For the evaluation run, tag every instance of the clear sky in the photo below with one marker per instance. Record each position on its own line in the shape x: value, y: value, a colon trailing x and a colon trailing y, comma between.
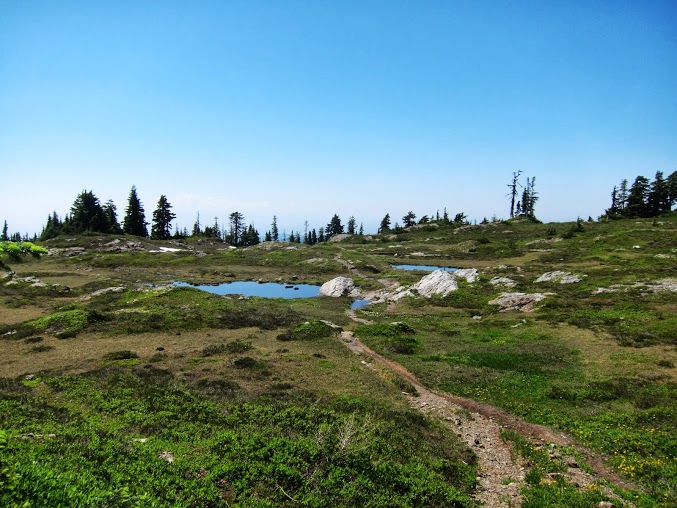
x: 303, y: 109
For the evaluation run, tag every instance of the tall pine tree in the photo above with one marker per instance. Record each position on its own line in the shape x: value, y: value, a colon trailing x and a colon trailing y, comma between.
x: 135, y: 217
x: 162, y: 220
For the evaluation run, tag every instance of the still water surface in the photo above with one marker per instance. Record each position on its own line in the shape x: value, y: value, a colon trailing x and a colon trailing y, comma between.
x: 424, y: 268
x: 262, y: 289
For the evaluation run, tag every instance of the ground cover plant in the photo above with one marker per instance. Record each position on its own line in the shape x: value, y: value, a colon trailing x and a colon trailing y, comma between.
x: 119, y: 389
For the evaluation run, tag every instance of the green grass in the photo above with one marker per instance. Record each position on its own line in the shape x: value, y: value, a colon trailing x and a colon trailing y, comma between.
x: 116, y: 423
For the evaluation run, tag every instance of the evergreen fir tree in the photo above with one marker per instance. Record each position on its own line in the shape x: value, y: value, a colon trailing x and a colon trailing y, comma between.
x: 672, y: 188
x: 513, y: 191
x: 638, y: 196
x: 87, y: 214
x: 351, y: 225
x: 659, y: 196
x: 409, y: 219
x: 5, y: 236
x: 385, y: 224
x: 622, y: 196
x: 135, y: 218
x: 273, y: 230
x: 320, y: 235
x: 361, y: 231
x: 334, y: 227
x: 197, y: 231
x: 162, y: 218
x: 237, y: 227
x: 110, y: 212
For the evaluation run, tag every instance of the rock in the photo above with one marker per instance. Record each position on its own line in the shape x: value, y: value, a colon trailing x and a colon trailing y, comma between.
x: 438, y: 282
x: 559, y: 276
x: 118, y: 289
x: 338, y: 238
x: 168, y: 456
x: 503, y: 281
x: 606, y: 504
x: 339, y: 286
x: 469, y: 274
x: 523, y: 302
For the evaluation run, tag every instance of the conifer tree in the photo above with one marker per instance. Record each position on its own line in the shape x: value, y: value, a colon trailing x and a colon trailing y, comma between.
x: 87, y: 214
x: 409, y: 219
x: 4, y: 237
x: 313, y: 236
x: 513, y: 190
x: 320, y: 235
x: 162, y: 218
x: 659, y: 196
x: 351, y: 225
x: 334, y: 227
x: 135, y: 218
x: 197, y: 231
x: 622, y: 196
x: 110, y: 212
x: 672, y: 188
x: 268, y: 237
x: 637, y: 205
x: 361, y: 231
x: 385, y: 224
x: 237, y: 226
x: 273, y: 230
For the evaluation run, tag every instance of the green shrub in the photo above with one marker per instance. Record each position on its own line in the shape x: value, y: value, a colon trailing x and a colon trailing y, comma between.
x: 120, y: 355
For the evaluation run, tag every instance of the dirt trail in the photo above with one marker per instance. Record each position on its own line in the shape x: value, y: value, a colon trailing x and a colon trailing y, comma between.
x: 500, y: 479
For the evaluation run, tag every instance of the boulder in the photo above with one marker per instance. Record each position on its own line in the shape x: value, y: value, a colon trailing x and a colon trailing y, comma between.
x: 339, y: 286
x: 559, y: 276
x: 469, y: 274
x: 503, y: 281
x: 523, y: 302
x: 438, y: 282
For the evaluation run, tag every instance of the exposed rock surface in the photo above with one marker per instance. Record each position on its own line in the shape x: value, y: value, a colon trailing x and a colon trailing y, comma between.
x: 339, y: 286
x: 655, y: 287
x: 503, y: 281
x: 523, y: 302
x: 438, y: 282
x: 118, y: 289
x: 469, y: 274
x: 66, y: 252
x: 559, y: 276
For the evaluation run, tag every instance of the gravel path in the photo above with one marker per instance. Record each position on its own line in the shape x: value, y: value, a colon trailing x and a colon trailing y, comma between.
x: 500, y: 477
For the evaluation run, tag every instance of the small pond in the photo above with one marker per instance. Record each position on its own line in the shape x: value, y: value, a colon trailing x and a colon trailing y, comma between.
x: 262, y: 289
x: 358, y: 304
x: 424, y: 268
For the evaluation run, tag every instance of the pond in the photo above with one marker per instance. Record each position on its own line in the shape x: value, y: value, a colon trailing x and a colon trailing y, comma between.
x: 262, y: 289
x: 358, y: 304
x: 424, y: 268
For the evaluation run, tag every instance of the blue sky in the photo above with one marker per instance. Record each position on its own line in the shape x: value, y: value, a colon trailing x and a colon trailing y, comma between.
x: 303, y: 109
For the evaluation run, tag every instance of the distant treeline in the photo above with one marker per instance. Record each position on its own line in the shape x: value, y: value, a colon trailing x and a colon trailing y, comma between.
x: 88, y: 215
x: 643, y: 198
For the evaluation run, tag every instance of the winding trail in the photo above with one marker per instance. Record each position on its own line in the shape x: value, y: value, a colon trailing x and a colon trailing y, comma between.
x: 500, y: 477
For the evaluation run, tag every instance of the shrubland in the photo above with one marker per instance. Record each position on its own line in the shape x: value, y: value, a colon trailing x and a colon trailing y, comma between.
x: 119, y: 389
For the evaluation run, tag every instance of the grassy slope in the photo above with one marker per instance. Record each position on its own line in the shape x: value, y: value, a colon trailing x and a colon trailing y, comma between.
x: 600, y: 366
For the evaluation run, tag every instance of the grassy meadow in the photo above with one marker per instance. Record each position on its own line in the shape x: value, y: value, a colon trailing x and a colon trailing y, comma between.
x: 117, y: 389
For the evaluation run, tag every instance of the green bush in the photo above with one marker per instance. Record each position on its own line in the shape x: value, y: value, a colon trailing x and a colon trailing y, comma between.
x: 120, y: 355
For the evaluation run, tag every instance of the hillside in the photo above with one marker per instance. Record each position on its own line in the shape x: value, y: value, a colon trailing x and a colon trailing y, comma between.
x: 546, y: 380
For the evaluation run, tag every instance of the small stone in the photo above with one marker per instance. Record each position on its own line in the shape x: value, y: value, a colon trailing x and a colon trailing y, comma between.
x: 168, y: 456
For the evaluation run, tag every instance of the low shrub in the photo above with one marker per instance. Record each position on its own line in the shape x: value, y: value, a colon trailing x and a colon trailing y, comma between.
x: 120, y: 355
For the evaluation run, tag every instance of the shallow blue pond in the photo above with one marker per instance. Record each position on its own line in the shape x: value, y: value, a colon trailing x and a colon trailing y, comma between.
x: 424, y: 268
x: 262, y: 289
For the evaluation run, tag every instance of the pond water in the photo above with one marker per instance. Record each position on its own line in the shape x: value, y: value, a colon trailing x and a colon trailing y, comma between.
x: 424, y: 268
x: 358, y: 304
x: 262, y: 289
